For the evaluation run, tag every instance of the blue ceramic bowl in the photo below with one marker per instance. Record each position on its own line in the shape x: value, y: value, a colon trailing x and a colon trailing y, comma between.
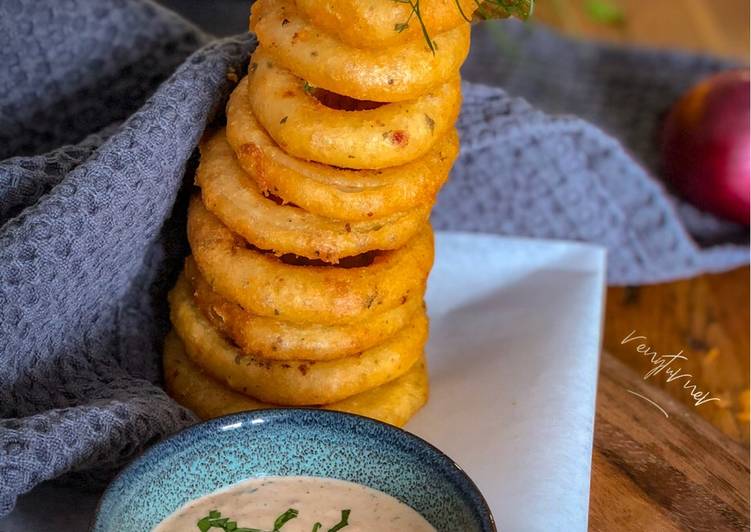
x: 284, y: 442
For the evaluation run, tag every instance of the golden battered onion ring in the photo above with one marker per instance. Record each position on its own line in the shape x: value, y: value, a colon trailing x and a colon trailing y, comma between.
x: 382, y: 74
x: 389, y: 135
x: 292, y: 382
x: 230, y: 194
x: 372, y: 23
x: 266, y: 286
x: 394, y: 402
x: 350, y: 195
x: 284, y: 340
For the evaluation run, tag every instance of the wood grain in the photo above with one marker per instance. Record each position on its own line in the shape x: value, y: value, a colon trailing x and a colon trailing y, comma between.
x: 708, y: 319
x: 652, y: 473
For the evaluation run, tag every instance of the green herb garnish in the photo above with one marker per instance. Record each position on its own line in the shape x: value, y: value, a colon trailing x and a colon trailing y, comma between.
x: 415, y: 12
x: 308, y: 88
x: 486, y: 9
x: 282, y: 519
x: 341, y: 524
x: 521, y: 9
x: 215, y: 520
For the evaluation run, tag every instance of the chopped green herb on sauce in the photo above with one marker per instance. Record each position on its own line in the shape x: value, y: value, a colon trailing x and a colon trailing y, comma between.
x: 294, y: 504
x: 282, y: 519
x: 215, y: 520
x: 341, y: 524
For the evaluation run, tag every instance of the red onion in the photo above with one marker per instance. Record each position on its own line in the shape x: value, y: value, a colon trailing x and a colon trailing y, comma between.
x: 706, y: 146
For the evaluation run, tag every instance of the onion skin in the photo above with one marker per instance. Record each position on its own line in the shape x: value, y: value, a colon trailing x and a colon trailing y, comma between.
x: 705, y: 146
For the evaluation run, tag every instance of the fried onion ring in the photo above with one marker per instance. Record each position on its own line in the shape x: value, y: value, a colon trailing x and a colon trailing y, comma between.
x: 373, y: 23
x: 394, y: 402
x: 230, y: 194
x: 292, y: 382
x: 285, y: 340
x: 389, y: 135
x: 267, y: 286
x: 350, y: 195
x: 394, y: 74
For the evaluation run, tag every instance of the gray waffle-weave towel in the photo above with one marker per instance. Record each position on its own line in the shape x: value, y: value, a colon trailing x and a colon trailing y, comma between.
x: 102, y: 106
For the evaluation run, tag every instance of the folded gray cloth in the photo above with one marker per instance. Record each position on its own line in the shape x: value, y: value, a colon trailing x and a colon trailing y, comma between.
x: 625, y: 91
x: 92, y: 231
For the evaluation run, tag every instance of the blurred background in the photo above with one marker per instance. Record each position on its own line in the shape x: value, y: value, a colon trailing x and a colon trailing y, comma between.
x: 717, y: 26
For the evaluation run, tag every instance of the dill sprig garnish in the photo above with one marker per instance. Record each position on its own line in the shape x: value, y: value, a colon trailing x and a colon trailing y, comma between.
x: 416, y: 13
x: 486, y: 9
x: 521, y: 9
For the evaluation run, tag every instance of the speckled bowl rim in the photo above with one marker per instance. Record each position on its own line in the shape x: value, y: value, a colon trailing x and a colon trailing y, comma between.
x: 438, y: 459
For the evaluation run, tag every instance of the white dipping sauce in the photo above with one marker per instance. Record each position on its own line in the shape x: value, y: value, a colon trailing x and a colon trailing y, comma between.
x: 257, y: 503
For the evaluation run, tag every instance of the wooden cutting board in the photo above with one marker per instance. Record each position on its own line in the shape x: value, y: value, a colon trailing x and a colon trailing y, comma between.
x: 657, y: 473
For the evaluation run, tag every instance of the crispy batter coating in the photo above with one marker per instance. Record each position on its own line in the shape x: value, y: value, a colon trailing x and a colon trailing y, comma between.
x: 285, y: 340
x: 351, y: 195
x: 292, y: 382
x: 389, y: 135
x: 394, y: 402
x: 374, y: 23
x: 267, y: 286
x: 230, y: 194
x: 391, y: 74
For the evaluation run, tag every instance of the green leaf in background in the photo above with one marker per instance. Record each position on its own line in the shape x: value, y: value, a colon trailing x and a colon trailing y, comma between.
x: 604, y: 12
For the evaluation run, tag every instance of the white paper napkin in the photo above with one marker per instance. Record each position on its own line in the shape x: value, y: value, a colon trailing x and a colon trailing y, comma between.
x: 515, y: 336
x: 513, y: 355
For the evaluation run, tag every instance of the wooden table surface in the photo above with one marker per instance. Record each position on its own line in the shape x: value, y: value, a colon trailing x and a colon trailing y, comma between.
x: 652, y: 472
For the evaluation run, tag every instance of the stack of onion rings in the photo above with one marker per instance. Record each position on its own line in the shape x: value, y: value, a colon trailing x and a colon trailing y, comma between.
x: 310, y: 239
x: 239, y: 204
x: 277, y: 339
x: 389, y: 135
x: 268, y: 286
x: 371, y: 23
x: 333, y: 192
x: 292, y: 382
x: 405, y: 72
x: 393, y: 403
